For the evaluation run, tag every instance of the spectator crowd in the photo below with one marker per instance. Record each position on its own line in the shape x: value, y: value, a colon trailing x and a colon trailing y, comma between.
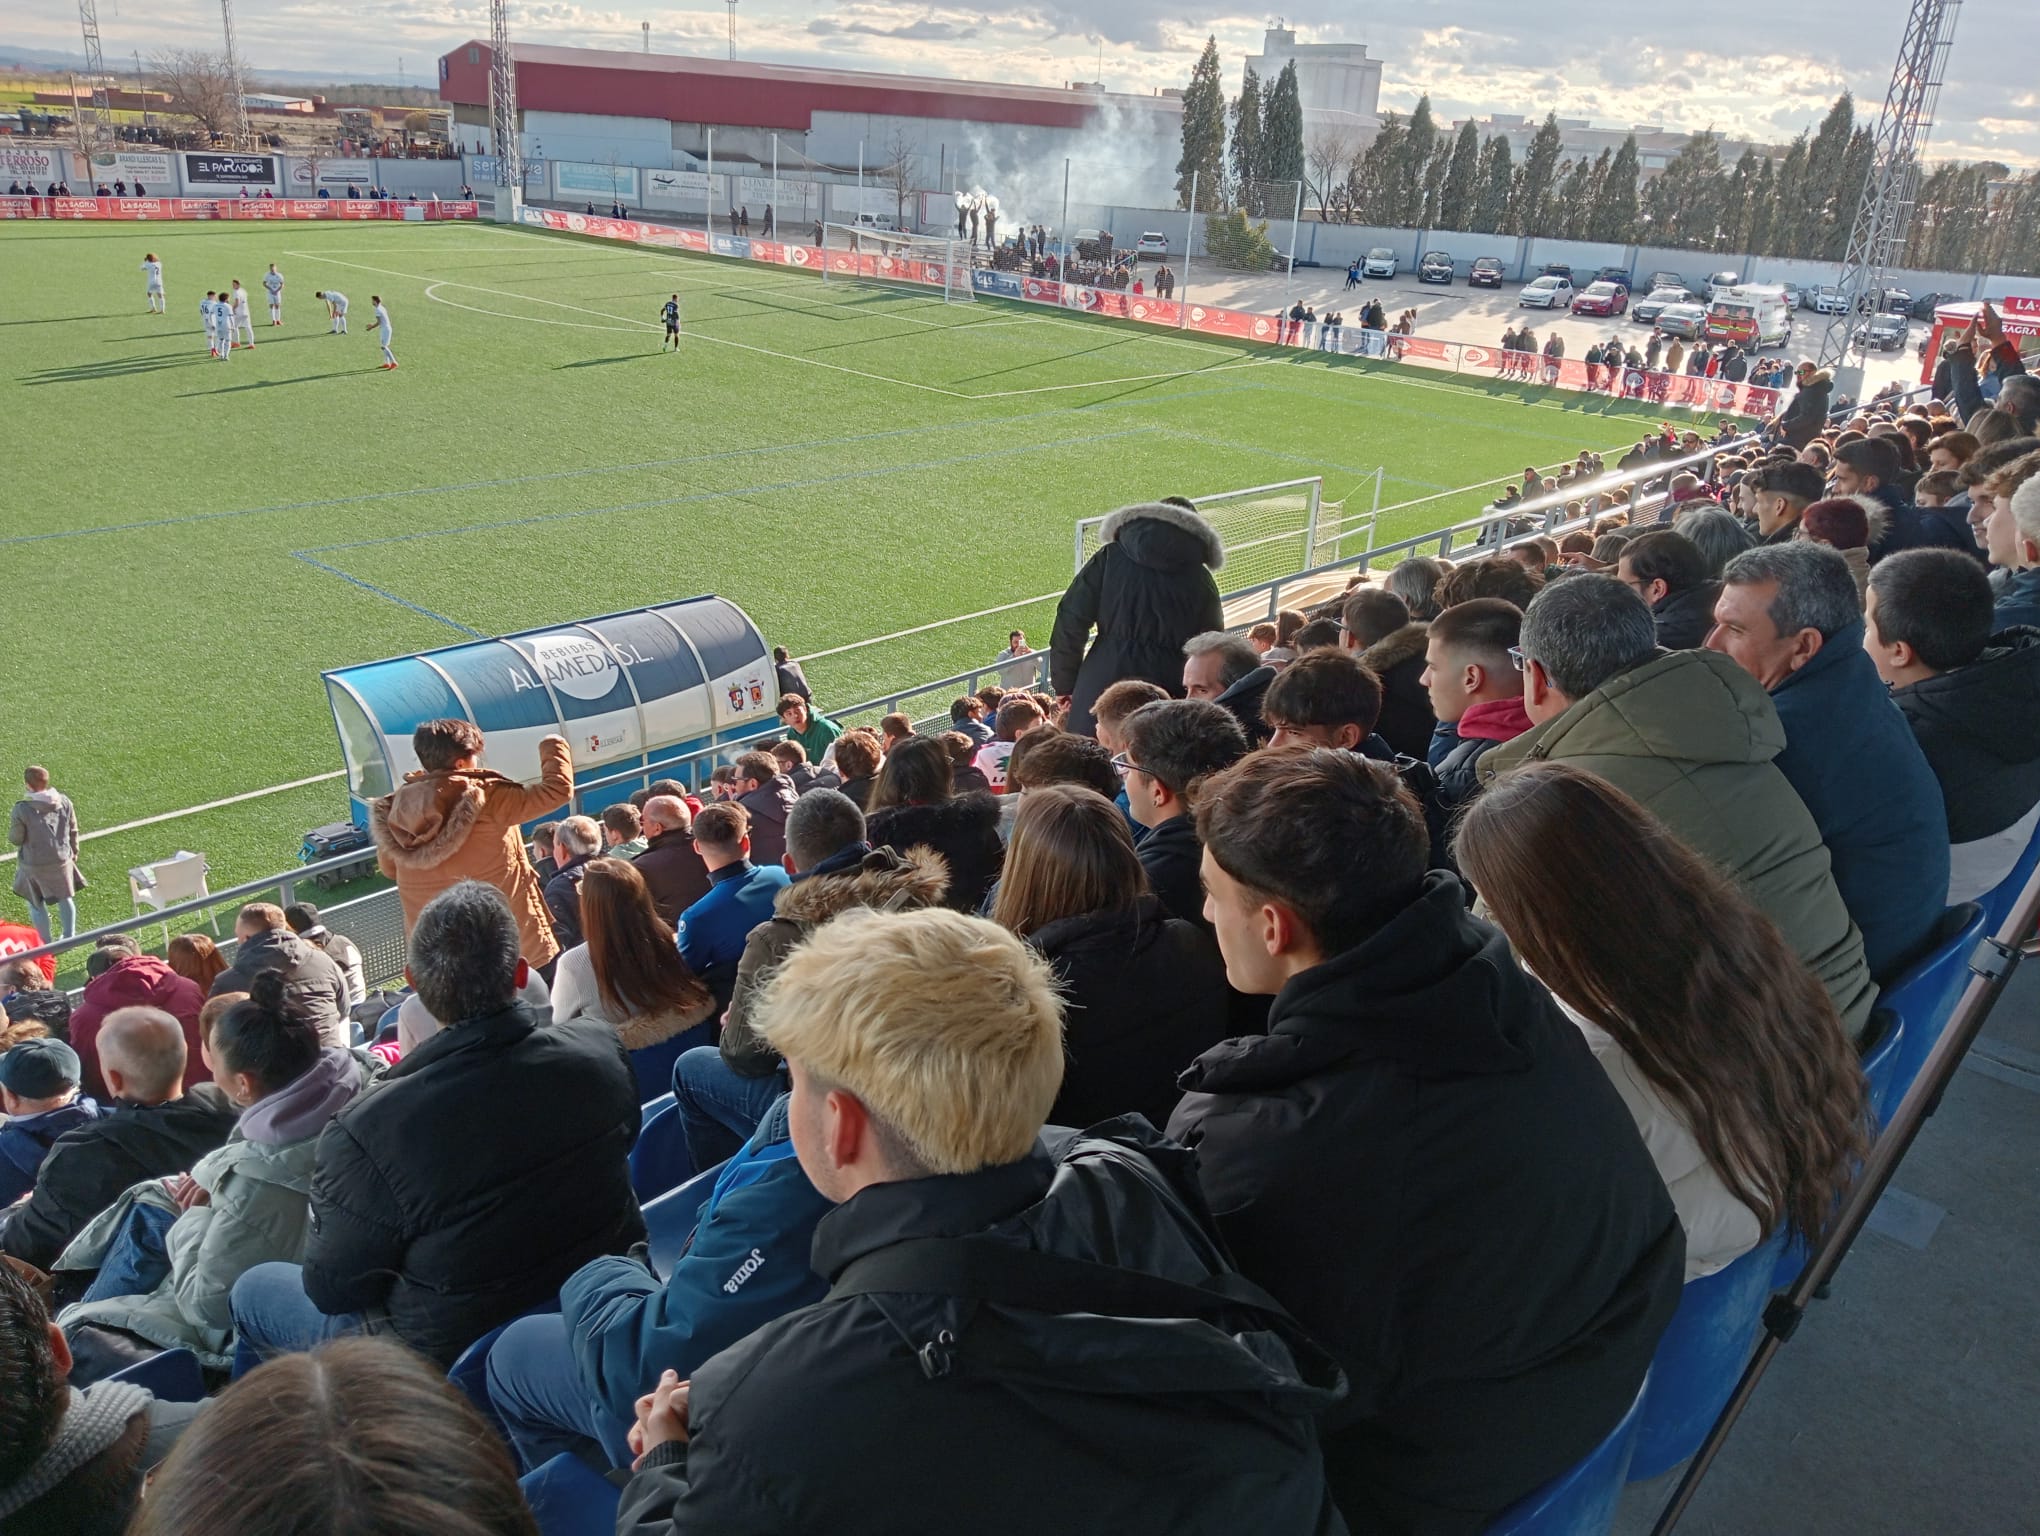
x: 1237, y: 1081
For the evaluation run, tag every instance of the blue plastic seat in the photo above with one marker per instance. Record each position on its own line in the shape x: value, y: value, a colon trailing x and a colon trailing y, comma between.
x: 174, y: 1375
x: 1582, y: 1500
x: 569, y: 1498
x: 1700, y: 1358
x: 469, y: 1373
x: 659, y: 1159
x: 1924, y: 994
x: 1879, y: 1068
x: 1997, y: 901
x: 670, y: 1220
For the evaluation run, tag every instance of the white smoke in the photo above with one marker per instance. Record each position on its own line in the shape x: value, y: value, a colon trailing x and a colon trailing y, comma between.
x: 1121, y: 156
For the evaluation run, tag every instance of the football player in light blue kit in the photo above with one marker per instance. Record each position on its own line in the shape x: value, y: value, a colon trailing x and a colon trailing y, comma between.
x: 382, y: 329
x: 223, y: 325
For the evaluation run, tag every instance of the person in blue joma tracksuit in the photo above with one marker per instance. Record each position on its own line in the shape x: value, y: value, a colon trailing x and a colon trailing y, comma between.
x: 560, y: 1380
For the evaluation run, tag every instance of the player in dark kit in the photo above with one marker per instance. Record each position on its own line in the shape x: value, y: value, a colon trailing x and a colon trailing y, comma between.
x: 671, y: 315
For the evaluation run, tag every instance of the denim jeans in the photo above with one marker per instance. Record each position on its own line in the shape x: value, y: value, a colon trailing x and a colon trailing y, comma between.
x: 274, y: 1316
x: 67, y: 914
x: 537, y: 1393
x: 718, y: 1109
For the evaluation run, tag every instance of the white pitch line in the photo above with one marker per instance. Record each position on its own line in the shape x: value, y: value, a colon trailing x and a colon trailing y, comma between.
x: 432, y: 293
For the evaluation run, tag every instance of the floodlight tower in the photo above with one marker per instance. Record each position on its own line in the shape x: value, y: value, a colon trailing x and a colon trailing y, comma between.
x: 1884, y: 214
x: 503, y: 98
x: 732, y: 4
x: 95, y: 70
x: 236, y: 87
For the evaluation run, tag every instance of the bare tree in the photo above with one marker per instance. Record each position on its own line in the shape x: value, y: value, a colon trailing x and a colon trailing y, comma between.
x: 200, y: 86
x: 1329, y: 154
x: 900, y: 170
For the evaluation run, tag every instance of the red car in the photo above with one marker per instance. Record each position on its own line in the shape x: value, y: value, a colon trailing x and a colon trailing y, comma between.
x: 1601, y: 299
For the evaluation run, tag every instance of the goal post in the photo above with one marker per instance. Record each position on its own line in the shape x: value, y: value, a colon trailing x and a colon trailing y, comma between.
x: 1266, y: 531
x: 858, y: 253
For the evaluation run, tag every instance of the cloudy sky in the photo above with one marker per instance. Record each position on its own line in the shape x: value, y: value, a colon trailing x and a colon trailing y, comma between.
x: 1744, y: 67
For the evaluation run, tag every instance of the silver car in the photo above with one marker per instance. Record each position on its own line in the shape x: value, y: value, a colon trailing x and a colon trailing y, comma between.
x: 1682, y: 320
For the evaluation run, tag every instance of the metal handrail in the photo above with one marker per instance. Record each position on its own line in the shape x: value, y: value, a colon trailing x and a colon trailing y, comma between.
x: 280, y: 883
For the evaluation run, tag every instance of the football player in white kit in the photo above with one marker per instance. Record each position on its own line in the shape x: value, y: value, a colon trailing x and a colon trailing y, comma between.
x: 223, y: 326
x: 336, y: 309
x: 242, y: 323
x: 273, y: 281
x: 152, y: 280
x: 382, y: 329
x: 205, y: 320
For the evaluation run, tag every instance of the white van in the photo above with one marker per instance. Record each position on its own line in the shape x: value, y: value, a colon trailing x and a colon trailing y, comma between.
x: 1750, y: 315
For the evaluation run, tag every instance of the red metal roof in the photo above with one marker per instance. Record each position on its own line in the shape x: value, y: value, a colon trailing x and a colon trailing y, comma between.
x: 618, y: 83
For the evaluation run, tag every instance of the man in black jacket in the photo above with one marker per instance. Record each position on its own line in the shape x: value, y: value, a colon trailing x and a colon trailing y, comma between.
x: 1871, y: 468
x: 672, y: 870
x: 1420, y: 1157
x: 1147, y: 590
x: 1801, y: 421
x: 1668, y: 571
x: 155, y: 1128
x: 1375, y: 626
x: 488, y: 1165
x: 315, y: 988
x: 1171, y: 744
x: 576, y: 840
x: 963, y: 1235
x: 1972, y: 698
x: 1225, y: 669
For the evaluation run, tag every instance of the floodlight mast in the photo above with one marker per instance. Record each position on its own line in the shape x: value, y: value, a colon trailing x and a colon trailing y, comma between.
x: 503, y: 124
x: 1884, y: 213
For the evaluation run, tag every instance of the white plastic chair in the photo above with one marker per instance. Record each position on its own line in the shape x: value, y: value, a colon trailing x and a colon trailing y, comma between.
x: 168, y: 882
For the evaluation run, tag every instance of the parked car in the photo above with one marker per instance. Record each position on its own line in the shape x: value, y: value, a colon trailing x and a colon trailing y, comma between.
x: 1486, y: 273
x: 1830, y: 300
x: 1547, y: 292
x: 1667, y: 280
x: 1558, y: 269
x: 1651, y: 305
x: 1794, y: 297
x: 1153, y: 243
x: 1601, y: 299
x: 1925, y: 304
x: 1897, y: 301
x: 1380, y: 262
x: 1681, y: 320
x: 1615, y: 275
x: 1885, y: 332
x: 1719, y: 283
x: 1436, y: 267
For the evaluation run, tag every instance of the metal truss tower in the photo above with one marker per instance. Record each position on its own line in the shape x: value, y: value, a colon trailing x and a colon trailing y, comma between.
x: 1884, y: 215
x: 95, y: 71
x: 243, y: 138
x: 503, y: 118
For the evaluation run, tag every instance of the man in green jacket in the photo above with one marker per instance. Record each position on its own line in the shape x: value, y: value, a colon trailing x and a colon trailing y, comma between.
x: 1694, y: 738
x: 814, y: 732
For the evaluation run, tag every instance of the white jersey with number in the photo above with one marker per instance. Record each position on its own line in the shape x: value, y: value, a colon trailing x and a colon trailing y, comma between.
x: 274, y: 283
x: 153, y: 271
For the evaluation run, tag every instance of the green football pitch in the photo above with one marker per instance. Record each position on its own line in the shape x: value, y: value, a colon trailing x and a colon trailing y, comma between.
x: 188, y: 543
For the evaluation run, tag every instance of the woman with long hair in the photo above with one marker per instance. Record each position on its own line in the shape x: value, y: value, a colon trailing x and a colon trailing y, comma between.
x: 1725, y: 1047
x: 196, y: 958
x: 627, y: 973
x: 1144, y: 992
x: 913, y: 806
x: 248, y: 1202
x: 360, y: 1435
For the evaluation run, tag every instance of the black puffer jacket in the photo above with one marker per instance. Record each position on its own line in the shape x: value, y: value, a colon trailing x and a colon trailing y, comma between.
x: 1426, y: 1165
x: 89, y: 1167
x: 964, y: 830
x: 1020, y: 1421
x: 1979, y: 727
x: 1684, y: 619
x: 315, y: 989
x: 486, y: 1167
x: 1144, y: 995
x: 1406, y: 720
x: 1800, y: 422
x: 1148, y: 589
x: 1243, y: 701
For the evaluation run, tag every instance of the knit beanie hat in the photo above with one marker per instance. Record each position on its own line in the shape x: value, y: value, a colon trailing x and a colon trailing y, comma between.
x: 1839, y: 522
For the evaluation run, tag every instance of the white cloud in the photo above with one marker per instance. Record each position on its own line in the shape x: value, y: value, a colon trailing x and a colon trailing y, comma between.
x: 1495, y: 56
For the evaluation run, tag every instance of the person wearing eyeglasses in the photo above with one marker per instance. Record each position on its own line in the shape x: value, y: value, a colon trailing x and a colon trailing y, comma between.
x: 1169, y: 746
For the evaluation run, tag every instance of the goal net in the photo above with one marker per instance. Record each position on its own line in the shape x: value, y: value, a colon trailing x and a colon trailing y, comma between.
x: 856, y: 253
x: 1267, y: 531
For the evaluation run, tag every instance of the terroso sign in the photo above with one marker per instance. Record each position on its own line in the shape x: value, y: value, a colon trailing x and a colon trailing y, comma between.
x: 230, y: 168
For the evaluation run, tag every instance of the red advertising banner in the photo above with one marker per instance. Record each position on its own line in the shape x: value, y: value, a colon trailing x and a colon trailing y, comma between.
x: 231, y: 208
x: 20, y: 208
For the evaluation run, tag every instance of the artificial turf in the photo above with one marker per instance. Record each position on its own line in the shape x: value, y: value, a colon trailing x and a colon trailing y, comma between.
x: 188, y: 543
